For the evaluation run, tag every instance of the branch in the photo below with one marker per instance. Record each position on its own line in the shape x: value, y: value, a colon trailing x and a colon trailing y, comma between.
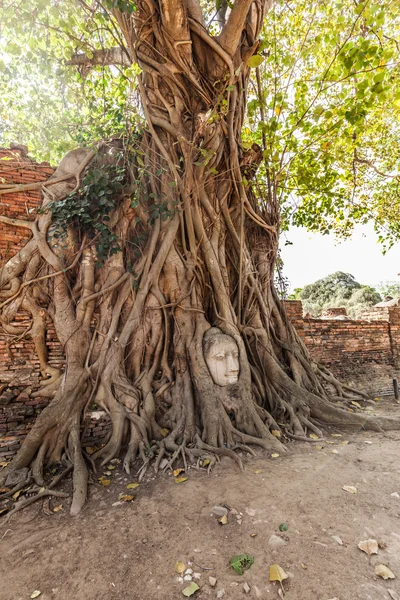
x: 16, y: 222
x: 110, y: 56
x: 233, y: 29
x: 370, y: 164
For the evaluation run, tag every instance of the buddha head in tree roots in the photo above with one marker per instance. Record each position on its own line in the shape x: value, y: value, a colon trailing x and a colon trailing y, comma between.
x: 222, y: 357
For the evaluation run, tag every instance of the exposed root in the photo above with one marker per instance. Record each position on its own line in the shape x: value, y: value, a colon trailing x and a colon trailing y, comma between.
x: 191, y: 252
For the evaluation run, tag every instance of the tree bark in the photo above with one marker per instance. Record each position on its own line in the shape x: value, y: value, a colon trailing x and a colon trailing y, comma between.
x: 196, y: 249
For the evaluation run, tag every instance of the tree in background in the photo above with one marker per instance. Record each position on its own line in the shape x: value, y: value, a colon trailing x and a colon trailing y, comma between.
x: 336, y: 290
x: 155, y: 249
x: 389, y: 288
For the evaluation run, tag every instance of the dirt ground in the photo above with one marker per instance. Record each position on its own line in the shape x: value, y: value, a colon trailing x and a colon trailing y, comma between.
x: 128, y: 550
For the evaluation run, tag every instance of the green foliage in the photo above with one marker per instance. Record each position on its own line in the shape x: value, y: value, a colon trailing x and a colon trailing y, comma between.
x: 328, y: 106
x: 336, y: 290
x: 88, y: 210
x: 47, y: 104
x: 389, y: 288
x: 330, y: 98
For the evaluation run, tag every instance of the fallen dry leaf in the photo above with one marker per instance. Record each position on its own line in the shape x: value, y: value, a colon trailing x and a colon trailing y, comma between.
x: 164, y: 432
x: 274, y: 455
x: 17, y: 494
x: 57, y: 508
x: 384, y: 572
x: 350, y: 488
x: 319, y: 447
x: 104, y: 481
x: 356, y: 404
x: 91, y: 449
x: 334, y: 451
x: 336, y: 435
x: 314, y: 436
x: 4, y: 490
x: 345, y: 442
x: 111, y: 467
x: 36, y: 594
x: 369, y: 546
x: 223, y: 520
x: 180, y: 567
x: 276, y: 573
x: 180, y: 479
x: 132, y: 486
x: 276, y: 433
x: 177, y: 472
x: 257, y: 471
x: 126, y: 497
x: 205, y: 462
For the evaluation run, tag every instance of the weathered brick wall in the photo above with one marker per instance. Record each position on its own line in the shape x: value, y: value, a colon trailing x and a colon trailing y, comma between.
x: 335, y: 343
x: 19, y: 366
x: 364, y: 352
x: 294, y: 310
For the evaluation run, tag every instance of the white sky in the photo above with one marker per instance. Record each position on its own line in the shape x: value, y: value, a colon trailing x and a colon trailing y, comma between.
x: 314, y: 256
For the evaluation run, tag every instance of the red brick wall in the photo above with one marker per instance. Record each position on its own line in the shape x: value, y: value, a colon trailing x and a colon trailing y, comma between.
x: 334, y: 342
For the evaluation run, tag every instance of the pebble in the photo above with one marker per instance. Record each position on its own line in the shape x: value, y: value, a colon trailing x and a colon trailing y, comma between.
x: 337, y: 540
x: 196, y: 575
x: 220, y: 511
x: 246, y: 587
x: 395, y: 495
x: 275, y: 541
x: 220, y: 593
x: 188, y: 571
x: 251, y: 512
x: 234, y: 511
x: 212, y: 581
x: 187, y: 578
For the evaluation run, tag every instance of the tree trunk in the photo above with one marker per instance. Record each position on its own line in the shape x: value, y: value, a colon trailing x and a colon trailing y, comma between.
x: 191, y: 271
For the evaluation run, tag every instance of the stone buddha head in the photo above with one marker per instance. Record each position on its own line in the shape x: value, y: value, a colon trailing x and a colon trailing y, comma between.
x: 222, y: 357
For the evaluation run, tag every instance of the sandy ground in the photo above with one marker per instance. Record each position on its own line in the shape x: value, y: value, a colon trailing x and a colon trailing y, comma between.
x: 128, y: 551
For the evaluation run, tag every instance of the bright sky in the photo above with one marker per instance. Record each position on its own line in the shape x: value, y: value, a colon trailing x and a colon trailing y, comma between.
x: 314, y: 256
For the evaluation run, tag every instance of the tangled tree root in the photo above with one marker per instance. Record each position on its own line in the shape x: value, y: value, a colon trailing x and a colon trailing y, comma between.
x: 185, y: 242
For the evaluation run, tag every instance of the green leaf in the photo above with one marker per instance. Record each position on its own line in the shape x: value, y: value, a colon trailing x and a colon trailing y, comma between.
x: 255, y: 61
x: 190, y: 589
x: 241, y: 562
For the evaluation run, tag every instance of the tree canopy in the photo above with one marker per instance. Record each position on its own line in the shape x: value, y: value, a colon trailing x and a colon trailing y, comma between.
x: 336, y: 290
x: 324, y: 98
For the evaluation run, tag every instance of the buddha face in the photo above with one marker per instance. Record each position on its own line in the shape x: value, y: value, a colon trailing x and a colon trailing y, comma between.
x: 222, y: 358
